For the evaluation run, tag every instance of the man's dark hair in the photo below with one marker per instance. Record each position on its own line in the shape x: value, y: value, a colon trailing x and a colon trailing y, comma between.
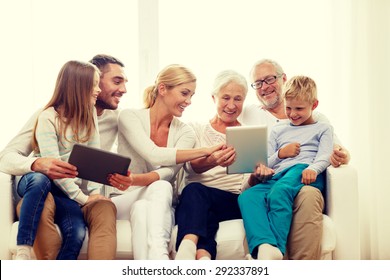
x: 101, y: 60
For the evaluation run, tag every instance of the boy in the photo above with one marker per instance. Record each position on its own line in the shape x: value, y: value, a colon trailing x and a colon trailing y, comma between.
x: 298, y: 153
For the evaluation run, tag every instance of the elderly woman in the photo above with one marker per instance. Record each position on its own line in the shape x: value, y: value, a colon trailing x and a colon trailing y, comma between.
x: 210, y: 195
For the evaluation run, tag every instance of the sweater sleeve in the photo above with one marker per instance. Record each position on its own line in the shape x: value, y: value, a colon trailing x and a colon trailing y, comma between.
x: 130, y: 126
x: 48, y: 142
x: 93, y: 187
x: 273, y: 149
x: 325, y: 149
x: 323, y: 119
x: 14, y: 159
x: 185, y: 140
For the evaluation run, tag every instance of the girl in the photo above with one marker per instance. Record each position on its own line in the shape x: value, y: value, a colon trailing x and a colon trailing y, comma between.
x: 68, y: 118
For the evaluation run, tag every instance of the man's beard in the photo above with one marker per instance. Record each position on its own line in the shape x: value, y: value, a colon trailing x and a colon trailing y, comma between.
x: 103, y: 105
x: 270, y: 105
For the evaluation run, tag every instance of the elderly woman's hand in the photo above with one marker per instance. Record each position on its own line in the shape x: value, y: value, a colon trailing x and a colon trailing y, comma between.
x: 223, y: 157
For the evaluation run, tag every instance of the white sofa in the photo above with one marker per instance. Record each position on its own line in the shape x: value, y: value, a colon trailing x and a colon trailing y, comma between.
x: 341, y: 239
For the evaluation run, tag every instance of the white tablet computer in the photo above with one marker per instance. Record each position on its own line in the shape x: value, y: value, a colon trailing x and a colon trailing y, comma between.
x: 250, y: 143
x: 96, y: 164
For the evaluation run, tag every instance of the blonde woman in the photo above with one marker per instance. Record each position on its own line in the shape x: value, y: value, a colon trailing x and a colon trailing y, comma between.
x: 158, y: 143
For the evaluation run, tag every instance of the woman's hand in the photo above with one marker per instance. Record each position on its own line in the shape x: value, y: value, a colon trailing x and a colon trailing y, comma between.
x: 223, y: 157
x: 212, y: 149
x: 121, y: 182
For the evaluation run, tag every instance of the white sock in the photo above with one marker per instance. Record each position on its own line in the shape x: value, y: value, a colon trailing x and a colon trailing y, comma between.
x: 269, y: 252
x: 186, y: 251
x: 205, y: 258
x: 23, y: 252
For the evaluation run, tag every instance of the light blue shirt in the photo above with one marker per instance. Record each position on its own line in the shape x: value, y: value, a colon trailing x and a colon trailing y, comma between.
x: 316, y: 142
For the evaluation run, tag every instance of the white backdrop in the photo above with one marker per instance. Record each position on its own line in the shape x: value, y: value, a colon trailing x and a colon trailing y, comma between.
x: 342, y: 44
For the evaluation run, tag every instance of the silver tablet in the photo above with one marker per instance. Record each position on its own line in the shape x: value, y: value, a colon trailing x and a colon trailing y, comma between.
x: 250, y: 143
x: 96, y: 164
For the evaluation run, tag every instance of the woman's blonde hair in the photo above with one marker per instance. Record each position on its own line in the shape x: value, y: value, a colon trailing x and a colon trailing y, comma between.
x: 72, y: 101
x: 301, y: 88
x: 171, y: 76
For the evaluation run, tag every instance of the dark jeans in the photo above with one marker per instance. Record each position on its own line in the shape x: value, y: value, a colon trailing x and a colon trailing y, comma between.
x: 199, y: 212
x: 34, y: 187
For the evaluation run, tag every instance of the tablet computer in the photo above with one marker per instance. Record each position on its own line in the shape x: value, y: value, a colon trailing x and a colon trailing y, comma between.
x: 250, y: 143
x: 95, y: 164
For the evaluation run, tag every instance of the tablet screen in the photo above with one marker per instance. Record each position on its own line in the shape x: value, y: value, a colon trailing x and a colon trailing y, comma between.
x: 96, y: 164
x: 250, y: 143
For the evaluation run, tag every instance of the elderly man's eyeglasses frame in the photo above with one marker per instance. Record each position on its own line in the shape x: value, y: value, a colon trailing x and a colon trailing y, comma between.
x: 269, y: 81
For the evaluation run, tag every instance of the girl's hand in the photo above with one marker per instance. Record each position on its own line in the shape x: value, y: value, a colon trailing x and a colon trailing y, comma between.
x: 121, y: 182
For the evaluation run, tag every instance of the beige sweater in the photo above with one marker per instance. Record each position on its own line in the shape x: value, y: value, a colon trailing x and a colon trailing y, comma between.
x: 216, y: 177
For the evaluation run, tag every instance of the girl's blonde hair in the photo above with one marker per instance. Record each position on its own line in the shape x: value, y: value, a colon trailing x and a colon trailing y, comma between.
x: 301, y: 88
x: 171, y: 76
x: 72, y: 101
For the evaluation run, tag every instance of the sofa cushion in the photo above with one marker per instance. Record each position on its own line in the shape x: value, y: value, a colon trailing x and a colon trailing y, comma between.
x: 231, y: 241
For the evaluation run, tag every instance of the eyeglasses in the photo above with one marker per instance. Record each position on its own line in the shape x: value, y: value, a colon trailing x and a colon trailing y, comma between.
x: 269, y: 80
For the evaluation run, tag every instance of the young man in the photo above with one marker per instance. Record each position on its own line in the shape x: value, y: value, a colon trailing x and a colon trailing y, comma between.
x: 305, y: 237
x: 100, y: 216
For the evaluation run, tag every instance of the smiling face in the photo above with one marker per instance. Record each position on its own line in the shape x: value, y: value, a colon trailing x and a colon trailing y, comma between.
x: 269, y: 95
x: 229, y: 102
x: 96, y: 89
x: 113, y: 85
x: 300, y: 112
x: 177, y: 98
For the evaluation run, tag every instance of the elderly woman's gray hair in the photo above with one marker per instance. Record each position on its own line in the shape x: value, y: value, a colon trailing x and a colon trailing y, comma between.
x: 226, y: 77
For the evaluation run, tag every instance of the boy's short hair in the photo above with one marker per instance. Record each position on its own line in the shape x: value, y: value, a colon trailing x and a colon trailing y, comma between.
x: 301, y: 88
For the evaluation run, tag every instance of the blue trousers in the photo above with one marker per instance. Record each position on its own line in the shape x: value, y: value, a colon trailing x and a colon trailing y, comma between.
x: 34, y: 187
x: 266, y: 208
x: 199, y: 212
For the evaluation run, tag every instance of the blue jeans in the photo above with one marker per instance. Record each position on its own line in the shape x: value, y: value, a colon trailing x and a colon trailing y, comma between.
x: 70, y: 220
x: 33, y: 187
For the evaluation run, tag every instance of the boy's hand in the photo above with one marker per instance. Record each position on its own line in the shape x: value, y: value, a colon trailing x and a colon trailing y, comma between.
x: 261, y: 174
x: 290, y: 150
x: 308, y: 176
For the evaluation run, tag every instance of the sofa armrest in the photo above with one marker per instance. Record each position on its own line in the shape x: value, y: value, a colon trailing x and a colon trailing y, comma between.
x: 6, y: 213
x: 342, y: 206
